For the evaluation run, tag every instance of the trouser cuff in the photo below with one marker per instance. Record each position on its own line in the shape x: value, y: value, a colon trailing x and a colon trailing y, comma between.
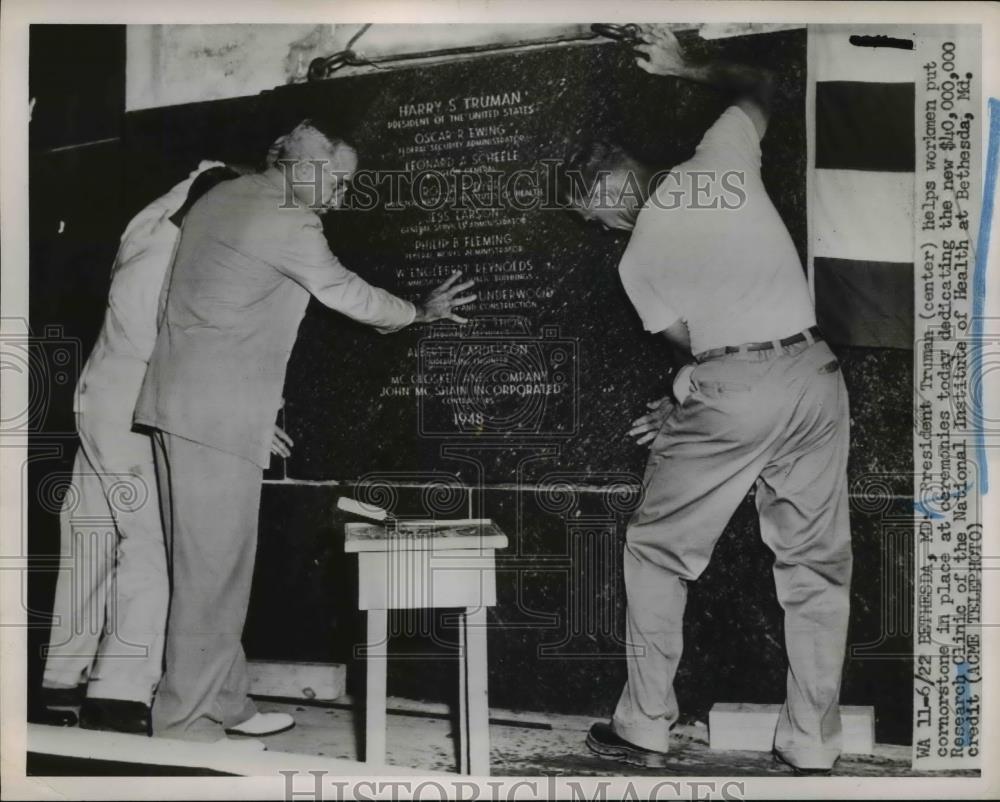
x: 204, y: 734
x: 248, y: 712
x: 655, y: 737
x: 63, y: 679
x: 810, y: 758
x: 59, y: 683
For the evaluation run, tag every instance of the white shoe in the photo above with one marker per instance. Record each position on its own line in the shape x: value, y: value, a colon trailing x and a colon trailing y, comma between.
x: 263, y: 724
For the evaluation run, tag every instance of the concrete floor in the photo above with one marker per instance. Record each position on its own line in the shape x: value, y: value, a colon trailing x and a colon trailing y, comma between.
x: 536, y: 747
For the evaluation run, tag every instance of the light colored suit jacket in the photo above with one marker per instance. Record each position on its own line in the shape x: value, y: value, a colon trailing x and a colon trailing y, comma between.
x: 110, y: 380
x: 240, y: 282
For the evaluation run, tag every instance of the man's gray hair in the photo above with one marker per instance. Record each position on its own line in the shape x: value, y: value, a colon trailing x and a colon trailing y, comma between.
x: 289, y: 146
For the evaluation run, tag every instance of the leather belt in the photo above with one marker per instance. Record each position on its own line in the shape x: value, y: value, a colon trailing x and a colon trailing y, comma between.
x: 812, y: 334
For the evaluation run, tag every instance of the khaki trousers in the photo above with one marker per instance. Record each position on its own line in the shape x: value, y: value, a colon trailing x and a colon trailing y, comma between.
x: 111, y: 594
x: 778, y: 419
x: 210, y: 502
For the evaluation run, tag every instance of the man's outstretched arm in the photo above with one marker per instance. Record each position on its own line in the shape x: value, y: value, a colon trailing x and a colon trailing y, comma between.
x: 659, y: 53
x: 306, y: 258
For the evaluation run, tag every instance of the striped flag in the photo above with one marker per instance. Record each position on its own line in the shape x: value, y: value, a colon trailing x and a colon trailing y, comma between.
x: 860, y: 111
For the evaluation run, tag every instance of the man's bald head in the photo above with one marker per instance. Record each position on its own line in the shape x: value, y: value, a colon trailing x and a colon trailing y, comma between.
x: 319, y: 164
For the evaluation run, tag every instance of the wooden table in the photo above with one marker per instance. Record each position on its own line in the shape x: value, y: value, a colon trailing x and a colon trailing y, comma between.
x: 412, y: 565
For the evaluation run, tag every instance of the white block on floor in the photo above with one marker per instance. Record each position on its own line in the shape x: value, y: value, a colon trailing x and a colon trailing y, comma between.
x: 743, y: 725
x: 324, y: 681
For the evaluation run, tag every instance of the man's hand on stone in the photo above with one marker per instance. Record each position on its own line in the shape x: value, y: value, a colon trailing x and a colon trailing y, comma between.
x: 645, y: 428
x: 438, y: 305
x: 281, y: 443
x: 659, y: 52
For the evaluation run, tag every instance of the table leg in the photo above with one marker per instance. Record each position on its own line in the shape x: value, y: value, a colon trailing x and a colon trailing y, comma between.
x: 477, y: 692
x: 463, y: 700
x: 378, y: 631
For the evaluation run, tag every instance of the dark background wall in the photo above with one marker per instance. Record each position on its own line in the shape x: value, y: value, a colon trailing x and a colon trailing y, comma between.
x: 562, y: 495
x: 77, y: 79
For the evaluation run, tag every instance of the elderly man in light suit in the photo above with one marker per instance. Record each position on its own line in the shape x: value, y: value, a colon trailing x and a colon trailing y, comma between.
x: 110, y: 606
x: 251, y: 253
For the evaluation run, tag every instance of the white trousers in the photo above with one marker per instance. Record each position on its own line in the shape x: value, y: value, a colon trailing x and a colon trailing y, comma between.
x: 112, y: 591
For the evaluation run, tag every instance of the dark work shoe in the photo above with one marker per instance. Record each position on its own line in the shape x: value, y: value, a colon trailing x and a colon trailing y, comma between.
x: 51, y: 716
x: 798, y: 770
x: 63, y: 697
x: 603, y: 741
x: 56, y: 707
x: 115, y: 715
